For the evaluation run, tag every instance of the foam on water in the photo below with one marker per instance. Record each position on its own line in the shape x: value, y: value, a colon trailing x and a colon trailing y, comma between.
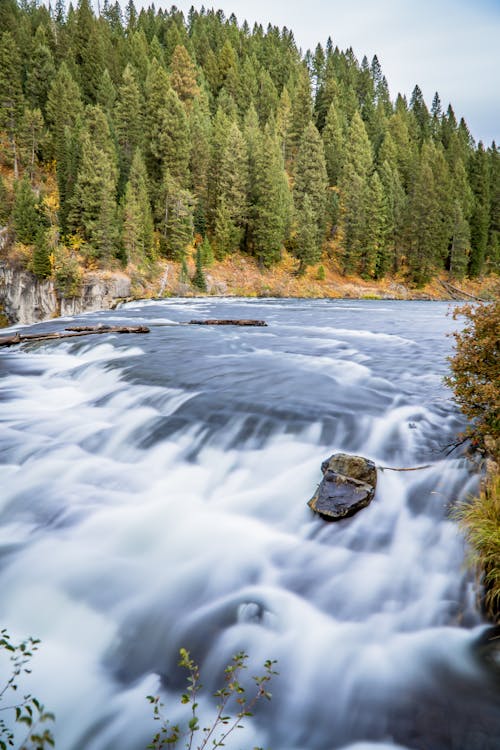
x: 154, y: 497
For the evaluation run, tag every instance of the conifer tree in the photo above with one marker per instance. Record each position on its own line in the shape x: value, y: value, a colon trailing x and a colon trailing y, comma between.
x: 311, y: 178
x: 106, y: 93
x: 199, y: 279
x: 128, y: 119
x: 25, y: 217
x: 334, y: 145
x: 355, y: 195
x: 11, y: 95
x: 480, y: 218
x: 183, y: 76
x: 41, y: 265
x: 93, y: 205
x: 5, y: 202
x: 41, y: 71
x: 137, y: 231
x: 232, y: 184
x: 306, y: 247
x: 272, y: 202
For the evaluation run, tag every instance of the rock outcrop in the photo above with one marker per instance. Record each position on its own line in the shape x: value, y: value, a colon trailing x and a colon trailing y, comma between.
x: 26, y: 299
x: 348, y: 485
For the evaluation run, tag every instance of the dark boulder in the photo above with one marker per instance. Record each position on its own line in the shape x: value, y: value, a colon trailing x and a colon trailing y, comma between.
x: 348, y: 485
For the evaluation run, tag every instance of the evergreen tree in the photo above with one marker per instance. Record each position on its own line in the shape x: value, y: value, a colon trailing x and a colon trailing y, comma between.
x: 41, y: 265
x: 175, y: 210
x: 93, y: 205
x: 311, y: 178
x: 355, y: 197
x: 11, y: 95
x: 272, y: 203
x: 25, y: 217
x: 106, y: 93
x: 183, y: 76
x: 137, y: 231
x: 375, y: 229
x: 128, y: 119
x: 480, y: 218
x: 41, y: 71
x: 307, y: 249
x: 199, y: 279
x: 334, y: 145
x: 5, y: 203
x: 460, y: 243
x: 64, y: 113
x: 232, y: 184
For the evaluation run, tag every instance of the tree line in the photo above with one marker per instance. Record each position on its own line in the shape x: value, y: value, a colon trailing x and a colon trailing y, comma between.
x: 161, y: 130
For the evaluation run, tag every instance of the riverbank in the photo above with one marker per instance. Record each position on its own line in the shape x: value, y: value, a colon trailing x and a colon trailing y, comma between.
x: 26, y: 299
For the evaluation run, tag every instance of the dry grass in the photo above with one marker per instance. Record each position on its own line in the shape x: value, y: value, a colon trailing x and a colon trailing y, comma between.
x: 480, y: 521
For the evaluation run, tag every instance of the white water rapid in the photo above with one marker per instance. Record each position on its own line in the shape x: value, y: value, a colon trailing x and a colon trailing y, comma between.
x: 153, y: 496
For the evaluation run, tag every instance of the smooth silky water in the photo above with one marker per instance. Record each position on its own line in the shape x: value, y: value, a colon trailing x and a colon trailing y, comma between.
x: 153, y: 496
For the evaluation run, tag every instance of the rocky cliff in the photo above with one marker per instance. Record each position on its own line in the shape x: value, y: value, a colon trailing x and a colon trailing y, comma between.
x: 26, y: 299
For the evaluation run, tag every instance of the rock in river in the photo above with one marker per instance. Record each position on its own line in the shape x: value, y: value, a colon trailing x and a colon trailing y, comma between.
x: 348, y: 485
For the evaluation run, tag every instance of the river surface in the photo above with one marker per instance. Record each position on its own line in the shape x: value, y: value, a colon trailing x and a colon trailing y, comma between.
x: 153, y: 496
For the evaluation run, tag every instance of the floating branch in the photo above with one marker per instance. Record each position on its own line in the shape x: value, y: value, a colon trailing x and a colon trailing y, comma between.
x: 69, y: 333
x: 408, y: 468
x: 227, y: 323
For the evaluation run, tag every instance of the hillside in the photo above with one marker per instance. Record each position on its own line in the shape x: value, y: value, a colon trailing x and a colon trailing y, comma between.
x: 151, y: 141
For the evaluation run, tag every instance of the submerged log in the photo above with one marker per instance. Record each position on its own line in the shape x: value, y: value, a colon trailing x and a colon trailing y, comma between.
x: 69, y: 333
x: 242, y: 322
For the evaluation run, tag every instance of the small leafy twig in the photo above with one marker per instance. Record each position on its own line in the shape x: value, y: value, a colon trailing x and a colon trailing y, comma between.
x: 28, y: 710
x: 169, y: 734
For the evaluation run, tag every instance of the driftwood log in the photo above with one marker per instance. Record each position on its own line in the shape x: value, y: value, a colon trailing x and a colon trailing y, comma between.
x: 458, y: 294
x: 69, y: 333
x: 227, y: 322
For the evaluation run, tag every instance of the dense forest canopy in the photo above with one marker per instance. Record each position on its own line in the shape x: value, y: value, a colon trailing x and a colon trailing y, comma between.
x: 124, y: 138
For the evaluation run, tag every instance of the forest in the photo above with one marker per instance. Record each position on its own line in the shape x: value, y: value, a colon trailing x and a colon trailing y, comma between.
x: 127, y: 138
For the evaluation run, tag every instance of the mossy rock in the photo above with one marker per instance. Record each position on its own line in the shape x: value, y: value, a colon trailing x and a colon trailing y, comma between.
x: 348, y: 485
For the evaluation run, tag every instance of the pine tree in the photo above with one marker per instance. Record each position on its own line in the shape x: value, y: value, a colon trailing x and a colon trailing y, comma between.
x: 41, y: 265
x: 271, y: 211
x: 460, y: 243
x: 355, y: 196
x: 137, y: 231
x: 334, y: 145
x: 480, y: 218
x: 376, y: 209
x: 5, y: 202
x: 174, y: 212
x: 183, y: 76
x: 11, y: 95
x: 41, y: 71
x: 307, y: 249
x: 30, y: 138
x: 106, y: 93
x: 311, y: 178
x: 93, y: 205
x: 128, y: 119
x: 25, y: 217
x: 232, y: 184
x: 199, y: 279
x: 64, y: 113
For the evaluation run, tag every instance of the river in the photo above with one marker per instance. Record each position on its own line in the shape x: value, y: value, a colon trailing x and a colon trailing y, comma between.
x: 153, y: 496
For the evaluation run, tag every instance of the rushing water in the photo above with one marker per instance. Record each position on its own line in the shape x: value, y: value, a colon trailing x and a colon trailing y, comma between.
x: 153, y: 496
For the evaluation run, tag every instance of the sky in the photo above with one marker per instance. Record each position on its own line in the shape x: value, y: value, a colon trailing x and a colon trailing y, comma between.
x: 449, y: 46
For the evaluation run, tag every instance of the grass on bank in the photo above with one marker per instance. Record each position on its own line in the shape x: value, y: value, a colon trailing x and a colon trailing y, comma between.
x: 480, y: 521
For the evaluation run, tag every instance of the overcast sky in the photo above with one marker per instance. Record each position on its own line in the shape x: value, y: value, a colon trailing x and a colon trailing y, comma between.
x: 452, y: 46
